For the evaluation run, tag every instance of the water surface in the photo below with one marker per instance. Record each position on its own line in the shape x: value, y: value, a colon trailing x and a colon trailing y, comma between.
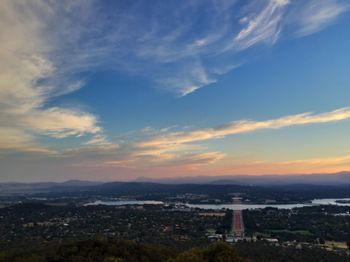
x: 315, y: 202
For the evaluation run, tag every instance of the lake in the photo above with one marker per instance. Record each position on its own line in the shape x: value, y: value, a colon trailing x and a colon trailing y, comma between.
x: 124, y: 202
x: 315, y: 202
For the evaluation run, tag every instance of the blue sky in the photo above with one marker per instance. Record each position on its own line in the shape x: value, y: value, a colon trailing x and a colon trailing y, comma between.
x: 109, y: 90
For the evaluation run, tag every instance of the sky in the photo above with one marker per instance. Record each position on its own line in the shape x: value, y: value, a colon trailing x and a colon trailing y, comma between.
x: 116, y: 90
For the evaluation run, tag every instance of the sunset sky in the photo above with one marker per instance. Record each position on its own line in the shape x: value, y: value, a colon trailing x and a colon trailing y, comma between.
x: 115, y: 90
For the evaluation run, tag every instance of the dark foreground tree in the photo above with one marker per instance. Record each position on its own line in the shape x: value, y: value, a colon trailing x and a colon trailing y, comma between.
x: 219, y: 252
x: 112, y: 250
x: 107, y: 250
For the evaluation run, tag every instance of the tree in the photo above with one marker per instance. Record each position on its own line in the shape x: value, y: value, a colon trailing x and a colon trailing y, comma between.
x: 219, y: 252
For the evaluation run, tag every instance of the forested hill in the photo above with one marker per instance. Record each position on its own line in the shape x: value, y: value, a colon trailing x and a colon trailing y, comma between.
x: 108, y: 250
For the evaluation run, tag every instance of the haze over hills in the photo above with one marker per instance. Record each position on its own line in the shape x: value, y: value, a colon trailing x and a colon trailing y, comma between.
x: 16, y: 187
x: 315, y: 179
x: 341, y: 178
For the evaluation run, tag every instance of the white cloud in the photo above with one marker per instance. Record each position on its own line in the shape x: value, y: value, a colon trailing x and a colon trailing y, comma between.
x: 28, y: 80
x: 174, y: 139
x: 318, y: 14
x: 190, y: 80
x: 165, y: 46
x: 265, y: 21
x: 59, y: 123
x: 263, y: 25
x: 13, y: 140
x: 45, y: 45
x: 259, y: 22
x: 180, y: 148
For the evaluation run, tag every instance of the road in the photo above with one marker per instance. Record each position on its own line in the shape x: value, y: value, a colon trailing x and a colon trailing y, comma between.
x: 237, y: 223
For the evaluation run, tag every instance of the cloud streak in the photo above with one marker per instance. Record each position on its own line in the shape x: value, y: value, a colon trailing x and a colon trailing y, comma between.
x: 46, y: 46
x: 167, y: 147
x: 174, y: 139
x: 181, y: 47
x: 329, y: 164
x: 318, y: 14
x: 326, y: 161
x: 261, y: 26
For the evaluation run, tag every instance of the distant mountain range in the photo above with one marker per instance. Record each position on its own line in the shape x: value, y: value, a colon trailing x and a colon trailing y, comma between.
x: 341, y: 178
x: 18, y: 188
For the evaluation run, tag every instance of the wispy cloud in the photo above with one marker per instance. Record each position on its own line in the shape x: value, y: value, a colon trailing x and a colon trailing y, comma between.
x: 318, y: 14
x: 188, y: 79
x: 174, y: 139
x: 17, y: 140
x: 180, y: 46
x: 325, y: 161
x: 261, y: 25
x: 166, y: 147
x: 188, y: 160
x: 46, y: 46
x: 197, y: 159
x: 329, y: 164
x: 29, y: 80
x: 198, y: 165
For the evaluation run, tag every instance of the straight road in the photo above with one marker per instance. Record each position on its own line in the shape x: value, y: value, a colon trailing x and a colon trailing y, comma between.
x: 237, y: 225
